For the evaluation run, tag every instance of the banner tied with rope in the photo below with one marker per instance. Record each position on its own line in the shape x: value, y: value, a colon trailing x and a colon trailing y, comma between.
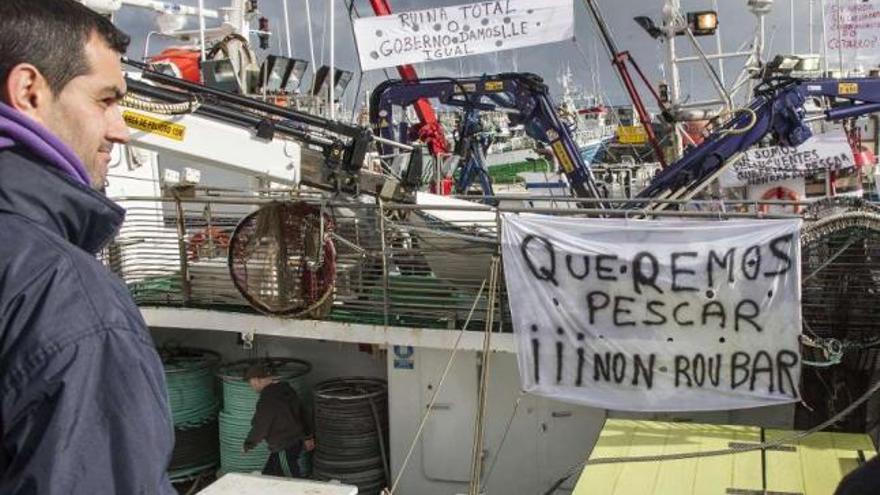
x: 659, y: 315
x: 460, y: 30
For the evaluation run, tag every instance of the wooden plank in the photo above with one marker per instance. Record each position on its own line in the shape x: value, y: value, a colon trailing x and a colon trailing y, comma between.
x: 819, y: 462
x: 739, y: 471
x: 624, y: 438
x: 614, y: 441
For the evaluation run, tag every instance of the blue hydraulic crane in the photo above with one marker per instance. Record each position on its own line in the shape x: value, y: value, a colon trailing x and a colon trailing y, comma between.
x: 777, y: 109
x: 523, y: 96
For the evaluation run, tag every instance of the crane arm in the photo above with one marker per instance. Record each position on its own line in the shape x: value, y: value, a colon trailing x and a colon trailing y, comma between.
x: 777, y: 109
x: 523, y: 96
x: 250, y: 136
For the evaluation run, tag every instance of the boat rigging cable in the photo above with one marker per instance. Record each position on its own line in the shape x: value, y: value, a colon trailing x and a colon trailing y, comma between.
x: 479, y: 432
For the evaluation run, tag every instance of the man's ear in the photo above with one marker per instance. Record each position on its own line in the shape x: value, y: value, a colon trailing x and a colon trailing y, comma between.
x: 27, y: 91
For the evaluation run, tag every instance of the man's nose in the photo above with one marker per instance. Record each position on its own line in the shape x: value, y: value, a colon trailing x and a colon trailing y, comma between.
x: 117, y: 131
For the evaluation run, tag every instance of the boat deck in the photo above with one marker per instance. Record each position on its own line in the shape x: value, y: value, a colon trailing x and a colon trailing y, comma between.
x: 815, y: 464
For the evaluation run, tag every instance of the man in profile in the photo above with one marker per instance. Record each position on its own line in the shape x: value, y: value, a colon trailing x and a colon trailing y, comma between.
x: 83, y: 406
x: 281, y: 420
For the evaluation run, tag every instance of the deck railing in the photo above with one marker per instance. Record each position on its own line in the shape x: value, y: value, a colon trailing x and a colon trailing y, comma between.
x: 397, y: 264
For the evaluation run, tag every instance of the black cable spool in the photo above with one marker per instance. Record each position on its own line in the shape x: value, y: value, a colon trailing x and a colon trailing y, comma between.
x: 351, y: 430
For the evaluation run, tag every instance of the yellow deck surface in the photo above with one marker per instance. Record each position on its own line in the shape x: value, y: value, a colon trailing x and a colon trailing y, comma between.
x: 814, y: 466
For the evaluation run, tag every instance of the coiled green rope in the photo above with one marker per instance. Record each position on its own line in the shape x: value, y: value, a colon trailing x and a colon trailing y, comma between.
x: 192, y: 389
x: 194, y: 401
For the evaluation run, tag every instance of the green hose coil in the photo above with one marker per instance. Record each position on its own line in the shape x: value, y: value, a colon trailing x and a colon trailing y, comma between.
x: 239, y: 404
x: 194, y: 402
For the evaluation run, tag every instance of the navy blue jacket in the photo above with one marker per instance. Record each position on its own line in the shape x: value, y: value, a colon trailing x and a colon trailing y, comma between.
x: 83, y: 406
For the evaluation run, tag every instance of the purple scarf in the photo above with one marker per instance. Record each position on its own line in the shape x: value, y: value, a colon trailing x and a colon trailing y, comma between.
x: 17, y: 129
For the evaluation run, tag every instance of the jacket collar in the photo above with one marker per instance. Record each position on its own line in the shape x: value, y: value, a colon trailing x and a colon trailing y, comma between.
x: 50, y: 198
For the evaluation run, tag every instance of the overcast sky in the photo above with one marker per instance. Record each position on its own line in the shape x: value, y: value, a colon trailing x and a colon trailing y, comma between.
x: 737, y: 26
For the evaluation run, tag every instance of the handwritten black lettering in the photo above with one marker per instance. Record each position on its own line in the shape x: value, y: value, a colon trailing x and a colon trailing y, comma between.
x: 739, y: 363
x: 716, y: 309
x: 559, y: 348
x: 542, y: 272
x: 751, y: 262
x: 619, y: 366
x: 602, y: 269
x: 785, y: 362
x: 640, y: 278
x: 675, y: 312
x: 682, y: 364
x: 644, y: 370
x: 652, y: 308
x: 618, y: 310
x: 746, y: 310
x: 594, y: 305
x: 725, y: 262
x: 780, y: 254
x: 571, y: 270
x: 758, y: 369
x: 580, y: 373
x: 677, y: 270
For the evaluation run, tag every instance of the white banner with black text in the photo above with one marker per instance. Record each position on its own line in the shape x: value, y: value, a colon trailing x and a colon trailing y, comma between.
x: 460, y: 30
x: 852, y: 34
x: 820, y: 153
x: 659, y: 315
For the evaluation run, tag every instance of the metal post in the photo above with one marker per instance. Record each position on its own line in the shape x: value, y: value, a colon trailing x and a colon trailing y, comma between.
x: 824, y: 38
x: 812, y: 24
x: 791, y: 24
x: 719, y: 48
x: 839, y: 44
x: 311, y: 37
x: 202, y: 28
x: 181, y: 251
x: 386, y: 305
x: 670, y: 10
x: 332, y: 92
x: 287, y: 28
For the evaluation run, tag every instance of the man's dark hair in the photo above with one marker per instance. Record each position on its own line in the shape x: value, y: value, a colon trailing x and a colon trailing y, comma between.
x: 51, y: 35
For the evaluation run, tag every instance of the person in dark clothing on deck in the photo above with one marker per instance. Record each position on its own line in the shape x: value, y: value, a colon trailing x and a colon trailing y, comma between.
x: 864, y: 480
x: 83, y: 406
x: 281, y: 420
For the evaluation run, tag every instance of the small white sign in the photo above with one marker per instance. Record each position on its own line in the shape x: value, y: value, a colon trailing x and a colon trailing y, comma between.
x: 643, y: 315
x: 828, y: 151
x: 461, y: 30
x: 852, y: 33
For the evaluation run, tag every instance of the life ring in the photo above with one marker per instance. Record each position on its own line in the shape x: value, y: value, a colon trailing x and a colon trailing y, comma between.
x: 214, y: 239
x: 779, y: 192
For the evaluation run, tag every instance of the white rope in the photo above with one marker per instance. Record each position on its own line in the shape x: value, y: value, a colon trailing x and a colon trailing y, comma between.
x: 131, y: 100
x: 519, y: 399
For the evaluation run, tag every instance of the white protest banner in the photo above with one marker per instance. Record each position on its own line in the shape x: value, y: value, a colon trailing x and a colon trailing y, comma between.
x: 655, y: 315
x: 827, y: 151
x: 461, y: 30
x: 852, y: 33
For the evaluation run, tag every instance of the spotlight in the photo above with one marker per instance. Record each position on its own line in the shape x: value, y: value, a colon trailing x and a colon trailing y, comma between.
x: 296, y: 74
x: 220, y: 74
x: 342, y: 79
x: 703, y: 23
